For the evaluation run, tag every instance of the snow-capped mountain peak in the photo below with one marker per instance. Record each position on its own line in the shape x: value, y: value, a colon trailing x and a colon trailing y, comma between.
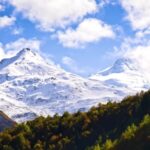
x: 21, y: 55
x: 30, y: 86
x: 28, y: 56
x: 25, y: 62
x: 125, y: 72
x: 121, y: 65
x: 26, y: 53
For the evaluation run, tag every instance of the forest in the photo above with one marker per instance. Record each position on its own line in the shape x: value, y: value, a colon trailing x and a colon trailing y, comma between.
x: 113, y: 126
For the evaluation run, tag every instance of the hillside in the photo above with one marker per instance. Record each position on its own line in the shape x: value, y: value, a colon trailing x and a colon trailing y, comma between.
x: 82, y: 130
x: 133, y: 138
x: 5, y: 121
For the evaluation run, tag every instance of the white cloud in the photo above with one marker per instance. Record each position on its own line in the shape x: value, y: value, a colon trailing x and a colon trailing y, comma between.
x: 90, y: 30
x: 2, y: 8
x: 140, y: 54
x: 72, y: 65
x: 50, y: 14
x: 15, y: 46
x: 6, y: 21
x: 138, y: 13
x: 104, y: 3
x: 2, y: 53
x: 136, y: 48
x: 143, y: 33
x: 17, y: 31
x: 10, y: 49
x: 67, y: 60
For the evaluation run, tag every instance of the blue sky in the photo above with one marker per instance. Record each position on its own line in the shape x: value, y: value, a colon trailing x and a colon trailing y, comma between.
x: 83, y: 37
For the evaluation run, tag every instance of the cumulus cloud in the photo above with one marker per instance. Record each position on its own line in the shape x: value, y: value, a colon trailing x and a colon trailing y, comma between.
x: 6, y: 21
x: 72, y: 65
x: 138, y: 13
x: 136, y: 48
x: 90, y: 30
x: 2, y: 7
x: 14, y: 47
x: 50, y: 14
x: 23, y: 43
x: 140, y: 54
x: 104, y: 3
x: 2, y: 53
x: 143, y: 33
x: 17, y: 31
x: 68, y: 61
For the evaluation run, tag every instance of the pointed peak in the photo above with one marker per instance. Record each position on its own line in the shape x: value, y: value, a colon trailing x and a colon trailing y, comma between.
x: 27, y: 53
x: 26, y: 50
x: 121, y: 65
x: 123, y: 61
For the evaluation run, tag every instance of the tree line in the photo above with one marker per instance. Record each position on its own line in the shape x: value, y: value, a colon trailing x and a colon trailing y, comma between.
x: 113, y: 126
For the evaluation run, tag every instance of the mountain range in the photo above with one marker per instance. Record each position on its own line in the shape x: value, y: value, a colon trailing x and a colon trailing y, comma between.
x: 31, y: 86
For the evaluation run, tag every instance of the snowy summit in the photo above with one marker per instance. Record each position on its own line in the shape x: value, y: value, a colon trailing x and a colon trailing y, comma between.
x: 30, y: 86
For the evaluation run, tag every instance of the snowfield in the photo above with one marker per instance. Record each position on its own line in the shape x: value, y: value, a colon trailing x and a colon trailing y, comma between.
x: 30, y: 86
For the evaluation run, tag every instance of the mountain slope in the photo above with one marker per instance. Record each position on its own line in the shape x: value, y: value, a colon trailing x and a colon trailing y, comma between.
x: 125, y: 73
x: 5, y: 121
x: 31, y: 86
